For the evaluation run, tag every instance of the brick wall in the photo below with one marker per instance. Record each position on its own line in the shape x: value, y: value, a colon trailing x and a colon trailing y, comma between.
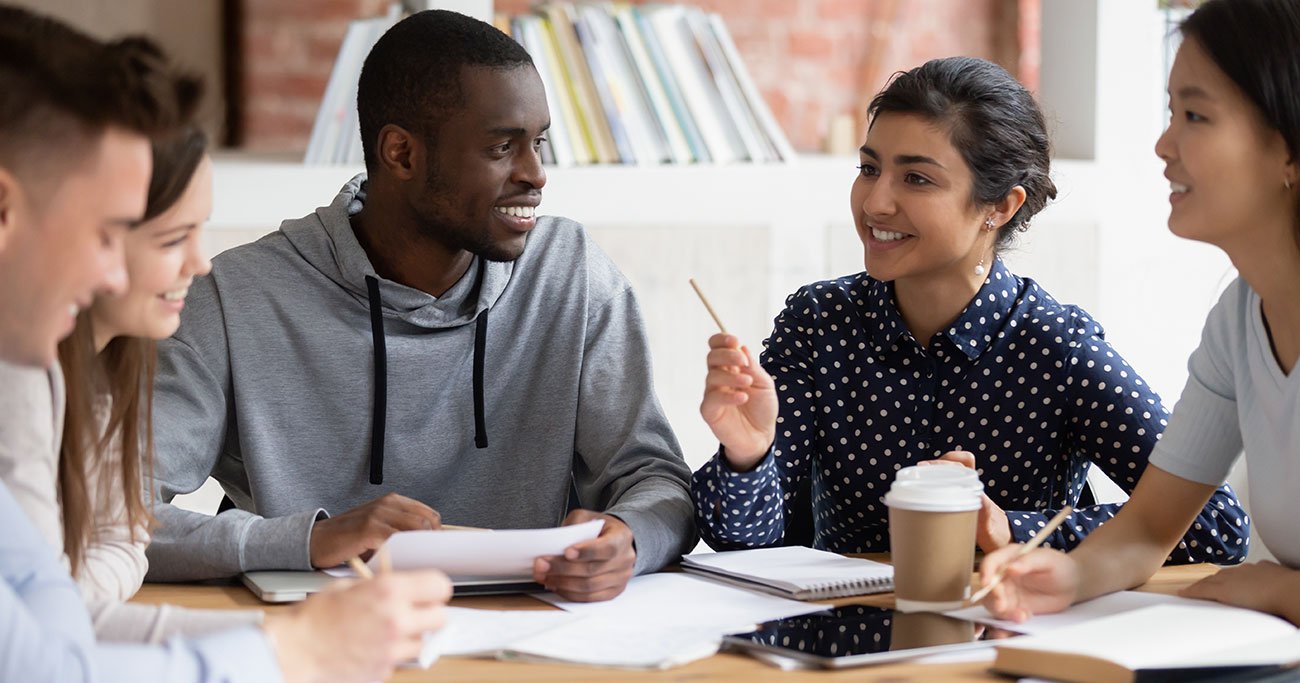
x: 812, y: 59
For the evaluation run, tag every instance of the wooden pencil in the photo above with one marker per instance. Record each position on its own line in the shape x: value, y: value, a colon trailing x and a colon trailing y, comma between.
x: 1034, y: 542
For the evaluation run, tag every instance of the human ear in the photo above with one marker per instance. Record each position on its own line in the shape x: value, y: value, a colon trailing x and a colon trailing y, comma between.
x: 9, y: 193
x: 1005, y: 209
x: 398, y: 151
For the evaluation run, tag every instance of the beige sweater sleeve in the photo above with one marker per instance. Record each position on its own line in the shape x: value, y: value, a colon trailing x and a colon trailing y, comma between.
x: 114, y: 566
x: 31, y: 424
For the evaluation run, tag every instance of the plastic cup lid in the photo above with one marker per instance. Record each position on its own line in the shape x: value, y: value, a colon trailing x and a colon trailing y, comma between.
x: 937, y: 488
x: 941, y: 473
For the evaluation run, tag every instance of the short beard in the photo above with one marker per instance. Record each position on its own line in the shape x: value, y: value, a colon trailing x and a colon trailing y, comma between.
x: 451, y: 236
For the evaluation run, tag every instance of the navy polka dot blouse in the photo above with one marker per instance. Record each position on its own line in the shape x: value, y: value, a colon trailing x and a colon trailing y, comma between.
x: 1029, y: 385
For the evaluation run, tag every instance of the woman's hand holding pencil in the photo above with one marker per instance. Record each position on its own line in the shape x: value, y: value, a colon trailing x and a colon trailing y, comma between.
x: 1023, y: 580
x: 739, y: 398
x: 359, y: 630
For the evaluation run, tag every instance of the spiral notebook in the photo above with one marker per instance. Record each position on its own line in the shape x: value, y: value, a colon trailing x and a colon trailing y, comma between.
x: 794, y: 572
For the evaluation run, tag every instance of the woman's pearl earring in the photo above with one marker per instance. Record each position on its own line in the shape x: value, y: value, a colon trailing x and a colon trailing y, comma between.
x: 979, y: 268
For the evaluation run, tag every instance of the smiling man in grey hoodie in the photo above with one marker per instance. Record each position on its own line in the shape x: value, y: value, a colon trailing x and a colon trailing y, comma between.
x: 425, y: 347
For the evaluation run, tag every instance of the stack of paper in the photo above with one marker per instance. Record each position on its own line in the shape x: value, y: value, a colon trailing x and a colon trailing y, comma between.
x: 659, y: 621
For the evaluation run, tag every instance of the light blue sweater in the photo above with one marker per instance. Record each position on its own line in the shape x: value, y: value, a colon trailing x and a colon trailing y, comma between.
x: 45, y: 631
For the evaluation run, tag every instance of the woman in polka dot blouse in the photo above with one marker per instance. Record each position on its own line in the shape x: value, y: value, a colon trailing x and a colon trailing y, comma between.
x: 936, y: 351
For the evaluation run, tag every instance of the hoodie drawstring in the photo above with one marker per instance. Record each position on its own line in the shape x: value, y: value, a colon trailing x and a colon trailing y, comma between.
x: 381, y: 382
x: 379, y: 418
x: 480, y: 341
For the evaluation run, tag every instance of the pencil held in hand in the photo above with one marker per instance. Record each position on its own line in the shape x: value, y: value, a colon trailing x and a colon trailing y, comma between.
x: 705, y: 300
x: 1034, y: 542
x: 363, y: 571
x: 360, y: 568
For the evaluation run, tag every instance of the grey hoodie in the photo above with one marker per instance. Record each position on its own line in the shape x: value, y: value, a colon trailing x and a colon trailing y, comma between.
x: 271, y: 386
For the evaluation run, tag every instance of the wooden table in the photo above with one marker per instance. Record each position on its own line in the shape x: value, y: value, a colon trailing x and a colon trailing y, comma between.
x: 723, y: 667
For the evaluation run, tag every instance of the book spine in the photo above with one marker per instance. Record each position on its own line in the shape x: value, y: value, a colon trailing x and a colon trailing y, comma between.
x: 679, y: 149
x: 584, y: 150
x: 528, y: 32
x: 561, y: 16
x: 676, y: 100
x: 644, y: 131
x: 775, y: 135
x: 333, y: 112
x: 741, y: 130
x: 602, y: 74
x: 700, y: 94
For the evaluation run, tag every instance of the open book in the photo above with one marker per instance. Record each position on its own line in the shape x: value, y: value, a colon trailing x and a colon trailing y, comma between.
x: 794, y: 572
x: 659, y: 621
x: 1160, y: 643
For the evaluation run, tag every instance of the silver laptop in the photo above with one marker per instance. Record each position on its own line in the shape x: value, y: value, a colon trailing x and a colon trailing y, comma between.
x: 293, y: 586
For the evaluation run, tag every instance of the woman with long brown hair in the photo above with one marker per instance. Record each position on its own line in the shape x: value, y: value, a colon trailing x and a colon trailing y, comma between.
x: 89, y: 502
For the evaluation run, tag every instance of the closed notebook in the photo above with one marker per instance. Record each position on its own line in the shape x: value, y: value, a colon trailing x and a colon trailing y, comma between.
x: 1161, y: 643
x: 794, y: 572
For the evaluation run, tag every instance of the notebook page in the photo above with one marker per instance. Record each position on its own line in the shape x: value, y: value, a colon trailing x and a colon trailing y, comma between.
x: 792, y: 567
x: 1185, y: 635
x: 676, y: 599
x: 1284, y: 650
x: 470, y: 632
x: 1083, y: 612
x: 620, y: 643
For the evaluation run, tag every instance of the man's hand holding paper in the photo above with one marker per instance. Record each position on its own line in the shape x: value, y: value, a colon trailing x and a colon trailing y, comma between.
x: 361, y: 530
x: 593, y: 570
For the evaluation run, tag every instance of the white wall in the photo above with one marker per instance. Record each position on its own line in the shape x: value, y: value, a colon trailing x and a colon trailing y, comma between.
x: 749, y: 234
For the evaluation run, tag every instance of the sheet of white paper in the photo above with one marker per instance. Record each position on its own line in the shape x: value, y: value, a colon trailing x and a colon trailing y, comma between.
x: 674, y: 599
x: 502, y: 553
x: 484, y: 632
x: 660, y: 620
x: 619, y: 642
x: 431, y: 650
x: 1189, y: 635
x: 979, y: 654
x: 1282, y: 650
x: 1104, y: 606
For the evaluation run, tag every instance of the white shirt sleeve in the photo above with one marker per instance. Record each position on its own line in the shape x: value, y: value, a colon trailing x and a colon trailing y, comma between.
x: 1203, y: 439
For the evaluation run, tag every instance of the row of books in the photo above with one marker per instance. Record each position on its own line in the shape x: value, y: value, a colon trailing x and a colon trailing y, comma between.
x: 336, y: 134
x: 647, y: 85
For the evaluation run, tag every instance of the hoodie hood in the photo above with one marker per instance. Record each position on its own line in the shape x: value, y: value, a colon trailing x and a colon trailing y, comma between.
x: 326, y: 241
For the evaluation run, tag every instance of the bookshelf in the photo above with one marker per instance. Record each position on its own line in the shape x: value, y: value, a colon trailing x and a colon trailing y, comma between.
x: 645, y: 85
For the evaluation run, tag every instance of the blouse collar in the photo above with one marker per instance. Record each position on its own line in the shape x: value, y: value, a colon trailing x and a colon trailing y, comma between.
x: 973, y: 330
